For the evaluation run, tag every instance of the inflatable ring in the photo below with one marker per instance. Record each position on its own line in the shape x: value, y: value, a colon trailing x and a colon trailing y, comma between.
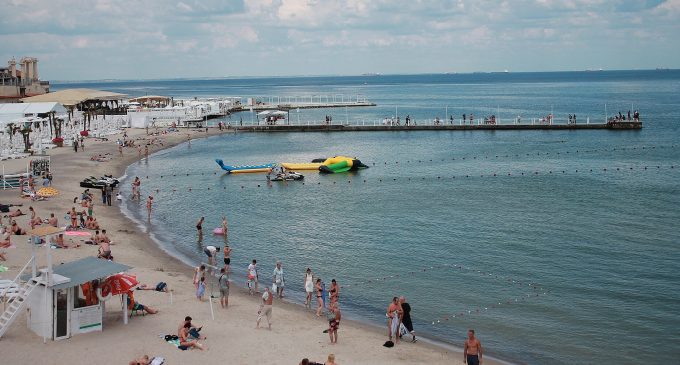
x: 218, y: 231
x: 100, y: 297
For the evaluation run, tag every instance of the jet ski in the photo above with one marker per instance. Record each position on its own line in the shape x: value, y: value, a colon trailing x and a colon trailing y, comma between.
x: 286, y: 176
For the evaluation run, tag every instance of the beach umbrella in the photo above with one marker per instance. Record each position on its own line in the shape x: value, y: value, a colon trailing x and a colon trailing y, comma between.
x: 47, y: 192
x: 119, y: 284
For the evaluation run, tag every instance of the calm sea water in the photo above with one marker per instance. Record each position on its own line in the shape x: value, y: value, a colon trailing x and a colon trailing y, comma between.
x: 602, y: 244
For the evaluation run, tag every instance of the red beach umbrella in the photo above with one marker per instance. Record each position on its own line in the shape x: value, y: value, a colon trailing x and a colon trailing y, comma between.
x: 119, y: 284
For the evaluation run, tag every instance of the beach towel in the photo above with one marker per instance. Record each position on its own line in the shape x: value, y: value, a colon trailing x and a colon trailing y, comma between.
x: 175, y: 343
x: 157, y: 361
x: 3, y: 268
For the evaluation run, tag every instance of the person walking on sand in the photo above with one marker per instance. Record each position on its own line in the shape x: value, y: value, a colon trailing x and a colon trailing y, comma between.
x: 334, y: 317
x: 146, y: 151
x: 224, y: 288
x: 109, y: 194
x: 149, y: 203
x: 253, y: 277
x: 265, y: 308
x: 199, y: 228
x: 393, y: 314
x: 318, y: 287
x: 279, y: 280
x: 309, y: 287
x: 472, y: 352
x: 406, y: 318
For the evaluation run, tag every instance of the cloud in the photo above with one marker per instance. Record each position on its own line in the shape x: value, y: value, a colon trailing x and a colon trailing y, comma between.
x: 329, y: 36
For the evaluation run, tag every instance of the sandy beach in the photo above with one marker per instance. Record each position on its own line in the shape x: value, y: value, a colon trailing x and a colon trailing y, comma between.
x: 232, y: 338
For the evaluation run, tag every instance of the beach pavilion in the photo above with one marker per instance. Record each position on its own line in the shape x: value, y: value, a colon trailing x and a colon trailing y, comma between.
x: 89, y: 101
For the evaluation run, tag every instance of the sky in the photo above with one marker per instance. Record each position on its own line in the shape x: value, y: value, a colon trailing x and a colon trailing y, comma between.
x: 150, y: 39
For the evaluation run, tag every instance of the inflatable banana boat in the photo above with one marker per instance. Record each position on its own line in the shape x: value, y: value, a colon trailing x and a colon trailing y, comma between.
x: 244, y: 169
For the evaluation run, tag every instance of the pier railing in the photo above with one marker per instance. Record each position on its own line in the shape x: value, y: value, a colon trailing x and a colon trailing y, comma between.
x: 387, y: 122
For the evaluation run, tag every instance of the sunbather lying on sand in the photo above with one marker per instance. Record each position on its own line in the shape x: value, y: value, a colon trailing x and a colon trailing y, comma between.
x: 16, y: 213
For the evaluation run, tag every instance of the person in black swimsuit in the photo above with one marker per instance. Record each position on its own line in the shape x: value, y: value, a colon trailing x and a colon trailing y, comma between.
x: 406, y: 319
x: 199, y: 227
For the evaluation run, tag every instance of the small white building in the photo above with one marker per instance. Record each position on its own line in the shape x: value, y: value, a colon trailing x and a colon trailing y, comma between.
x: 69, y: 306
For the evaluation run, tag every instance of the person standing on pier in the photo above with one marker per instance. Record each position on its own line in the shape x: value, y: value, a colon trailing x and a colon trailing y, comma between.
x: 472, y: 118
x: 464, y: 119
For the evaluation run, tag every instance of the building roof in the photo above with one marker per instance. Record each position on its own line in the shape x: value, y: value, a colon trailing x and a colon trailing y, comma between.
x: 87, y: 269
x: 151, y: 98
x: 31, y: 108
x: 14, y: 111
x: 71, y: 97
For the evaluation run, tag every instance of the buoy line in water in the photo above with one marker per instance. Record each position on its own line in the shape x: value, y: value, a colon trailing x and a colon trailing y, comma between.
x: 483, y: 309
x: 470, y: 157
x: 357, y: 180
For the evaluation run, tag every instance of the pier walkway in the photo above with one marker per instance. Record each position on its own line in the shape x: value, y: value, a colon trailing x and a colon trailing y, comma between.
x: 617, y: 126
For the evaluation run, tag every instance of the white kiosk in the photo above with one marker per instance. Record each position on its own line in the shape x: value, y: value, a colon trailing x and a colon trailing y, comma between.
x: 68, y: 304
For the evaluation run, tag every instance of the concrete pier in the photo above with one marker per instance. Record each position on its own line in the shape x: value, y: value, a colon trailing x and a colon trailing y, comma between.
x: 618, y: 126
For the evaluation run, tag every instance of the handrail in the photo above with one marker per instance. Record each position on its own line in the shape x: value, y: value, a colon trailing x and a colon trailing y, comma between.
x: 30, y: 261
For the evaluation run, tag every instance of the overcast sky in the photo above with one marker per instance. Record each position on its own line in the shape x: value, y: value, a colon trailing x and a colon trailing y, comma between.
x: 140, y: 39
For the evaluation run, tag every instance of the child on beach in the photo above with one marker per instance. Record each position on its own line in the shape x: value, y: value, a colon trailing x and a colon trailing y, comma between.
x: 200, y: 290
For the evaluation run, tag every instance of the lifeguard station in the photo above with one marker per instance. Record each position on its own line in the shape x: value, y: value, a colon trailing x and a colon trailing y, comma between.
x: 62, y: 301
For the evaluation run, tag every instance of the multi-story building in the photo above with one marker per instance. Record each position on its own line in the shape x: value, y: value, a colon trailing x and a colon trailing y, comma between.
x: 20, y: 83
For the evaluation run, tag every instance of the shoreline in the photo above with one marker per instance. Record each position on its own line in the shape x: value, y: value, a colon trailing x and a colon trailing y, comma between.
x: 167, y: 267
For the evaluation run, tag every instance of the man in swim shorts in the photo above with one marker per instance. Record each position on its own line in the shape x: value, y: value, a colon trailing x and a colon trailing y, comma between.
x: 472, y: 353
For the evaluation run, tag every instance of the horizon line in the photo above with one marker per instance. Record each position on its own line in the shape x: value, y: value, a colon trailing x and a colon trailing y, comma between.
x: 368, y: 74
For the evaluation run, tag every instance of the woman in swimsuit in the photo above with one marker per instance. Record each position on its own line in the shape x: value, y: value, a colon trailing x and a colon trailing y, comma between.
x: 309, y: 287
x: 334, y: 292
x: 74, y: 218
x: 319, y: 297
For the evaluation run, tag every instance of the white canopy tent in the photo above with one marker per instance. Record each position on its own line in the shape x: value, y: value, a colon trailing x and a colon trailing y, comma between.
x: 14, y: 111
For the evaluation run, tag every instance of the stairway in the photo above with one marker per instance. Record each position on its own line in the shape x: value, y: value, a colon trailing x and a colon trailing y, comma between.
x: 16, y: 304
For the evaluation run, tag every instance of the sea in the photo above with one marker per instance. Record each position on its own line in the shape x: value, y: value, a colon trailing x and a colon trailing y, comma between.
x: 556, y: 247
